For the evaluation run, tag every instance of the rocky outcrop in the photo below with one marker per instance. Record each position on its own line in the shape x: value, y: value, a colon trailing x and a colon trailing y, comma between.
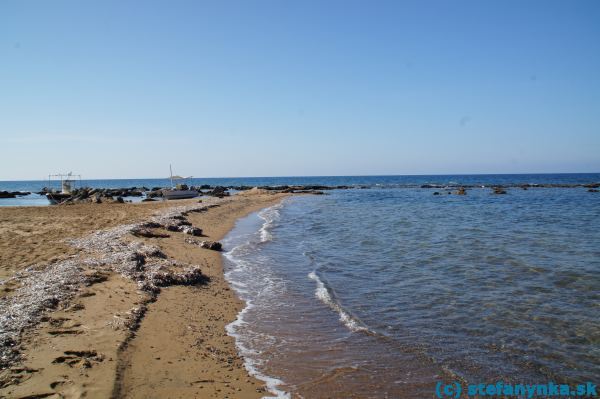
x: 218, y: 191
x: 6, y: 194
x: 13, y: 194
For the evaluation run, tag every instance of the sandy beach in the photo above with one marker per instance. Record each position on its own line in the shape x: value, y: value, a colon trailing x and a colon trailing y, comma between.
x: 116, y: 300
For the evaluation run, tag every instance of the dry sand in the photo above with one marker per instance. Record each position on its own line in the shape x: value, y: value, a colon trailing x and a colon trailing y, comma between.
x: 94, y: 344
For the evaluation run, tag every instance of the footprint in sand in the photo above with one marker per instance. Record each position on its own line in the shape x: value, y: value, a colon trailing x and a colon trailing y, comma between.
x: 82, y: 359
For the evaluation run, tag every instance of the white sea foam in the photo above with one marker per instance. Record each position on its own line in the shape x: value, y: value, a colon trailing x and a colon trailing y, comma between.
x: 236, y: 277
x: 270, y: 216
x: 322, y: 293
x: 250, y: 362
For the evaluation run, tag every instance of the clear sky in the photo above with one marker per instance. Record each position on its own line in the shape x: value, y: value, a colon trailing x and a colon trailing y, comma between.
x: 120, y: 89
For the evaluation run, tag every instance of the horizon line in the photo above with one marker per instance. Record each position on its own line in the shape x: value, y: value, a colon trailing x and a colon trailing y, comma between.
x: 310, y: 176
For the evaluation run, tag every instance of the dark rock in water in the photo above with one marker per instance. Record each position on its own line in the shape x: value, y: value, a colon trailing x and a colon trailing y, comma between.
x: 593, y: 190
x: 592, y: 185
x: 429, y: 186
x: 313, y: 192
x: 461, y: 191
x: 206, y: 187
x: 119, y: 200
x: 148, y: 200
x: 6, y: 194
x: 213, y: 245
x: 499, y: 190
x: 238, y: 188
x: 156, y: 189
x: 436, y: 193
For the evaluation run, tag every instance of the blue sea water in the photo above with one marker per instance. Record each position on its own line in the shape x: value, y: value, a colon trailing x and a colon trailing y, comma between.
x: 382, y: 292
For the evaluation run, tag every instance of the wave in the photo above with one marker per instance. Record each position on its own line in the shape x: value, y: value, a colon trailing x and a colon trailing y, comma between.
x: 270, y: 216
x: 324, y: 295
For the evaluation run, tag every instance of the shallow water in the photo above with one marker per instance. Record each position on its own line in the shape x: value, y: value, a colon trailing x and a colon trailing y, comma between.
x: 382, y: 292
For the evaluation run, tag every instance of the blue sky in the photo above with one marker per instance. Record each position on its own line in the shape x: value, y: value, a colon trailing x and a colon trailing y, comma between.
x: 117, y: 89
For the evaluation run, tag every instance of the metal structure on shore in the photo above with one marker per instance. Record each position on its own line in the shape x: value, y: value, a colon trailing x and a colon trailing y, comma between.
x: 67, y: 184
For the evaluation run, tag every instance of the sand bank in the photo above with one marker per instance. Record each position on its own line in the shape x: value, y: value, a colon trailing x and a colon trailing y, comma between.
x: 122, y: 325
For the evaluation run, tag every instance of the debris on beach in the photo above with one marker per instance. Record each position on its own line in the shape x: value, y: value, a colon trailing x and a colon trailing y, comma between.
x: 47, y: 287
x: 147, y: 233
x: 212, y: 245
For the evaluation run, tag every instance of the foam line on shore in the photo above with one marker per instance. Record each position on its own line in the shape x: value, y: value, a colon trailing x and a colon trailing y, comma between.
x: 269, y: 216
x: 249, y: 363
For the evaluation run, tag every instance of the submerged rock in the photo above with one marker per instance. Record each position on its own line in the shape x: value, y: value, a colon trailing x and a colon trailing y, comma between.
x: 6, y: 194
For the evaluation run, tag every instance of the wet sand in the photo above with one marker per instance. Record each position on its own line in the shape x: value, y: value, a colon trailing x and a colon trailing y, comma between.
x: 110, y: 338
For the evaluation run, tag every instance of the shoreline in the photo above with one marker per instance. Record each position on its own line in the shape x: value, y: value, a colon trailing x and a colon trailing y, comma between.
x: 113, y: 334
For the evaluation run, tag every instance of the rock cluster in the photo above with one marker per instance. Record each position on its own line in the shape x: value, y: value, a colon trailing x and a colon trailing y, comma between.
x: 98, y: 195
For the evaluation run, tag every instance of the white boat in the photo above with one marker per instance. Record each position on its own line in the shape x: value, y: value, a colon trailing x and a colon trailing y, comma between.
x: 178, y: 191
x: 174, y: 194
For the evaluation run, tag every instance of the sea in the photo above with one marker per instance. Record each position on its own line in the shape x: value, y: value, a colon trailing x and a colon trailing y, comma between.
x: 384, y: 289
